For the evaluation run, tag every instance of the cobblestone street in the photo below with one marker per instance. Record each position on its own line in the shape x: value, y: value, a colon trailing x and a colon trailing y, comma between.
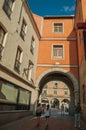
x: 55, y: 123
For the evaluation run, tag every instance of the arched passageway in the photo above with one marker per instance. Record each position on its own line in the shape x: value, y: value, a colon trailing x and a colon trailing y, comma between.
x: 65, y: 77
x: 44, y: 101
x: 54, y: 103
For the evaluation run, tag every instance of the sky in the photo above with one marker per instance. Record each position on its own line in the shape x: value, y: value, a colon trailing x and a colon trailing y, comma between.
x: 52, y: 7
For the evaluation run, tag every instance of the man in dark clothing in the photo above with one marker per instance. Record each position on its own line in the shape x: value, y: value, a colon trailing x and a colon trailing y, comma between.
x: 77, y: 115
x: 38, y: 113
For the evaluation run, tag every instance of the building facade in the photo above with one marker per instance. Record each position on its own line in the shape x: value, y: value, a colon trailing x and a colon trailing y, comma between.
x: 80, y: 25
x: 19, y: 39
x: 35, y: 51
x: 57, y: 55
x: 55, y: 93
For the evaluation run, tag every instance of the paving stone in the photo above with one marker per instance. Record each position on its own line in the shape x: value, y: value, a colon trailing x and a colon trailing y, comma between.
x: 55, y: 123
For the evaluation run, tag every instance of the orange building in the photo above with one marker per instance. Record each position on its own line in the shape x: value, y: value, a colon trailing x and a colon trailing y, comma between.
x: 57, y: 56
x: 55, y: 51
x: 55, y: 93
x: 62, y: 53
x: 80, y: 24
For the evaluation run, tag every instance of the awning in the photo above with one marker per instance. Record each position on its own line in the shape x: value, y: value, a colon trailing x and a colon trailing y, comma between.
x: 81, y: 25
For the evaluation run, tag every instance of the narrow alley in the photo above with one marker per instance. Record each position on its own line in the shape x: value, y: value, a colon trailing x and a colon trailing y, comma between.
x: 57, y: 122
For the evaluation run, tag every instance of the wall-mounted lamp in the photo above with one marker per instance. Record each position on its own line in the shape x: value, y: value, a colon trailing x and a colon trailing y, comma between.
x: 30, y: 66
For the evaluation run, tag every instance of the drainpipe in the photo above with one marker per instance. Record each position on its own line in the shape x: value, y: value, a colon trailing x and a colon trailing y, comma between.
x: 78, y: 68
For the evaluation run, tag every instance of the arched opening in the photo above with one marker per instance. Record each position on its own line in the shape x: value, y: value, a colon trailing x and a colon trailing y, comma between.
x: 66, y: 103
x: 44, y: 101
x: 54, y: 103
x: 66, y: 78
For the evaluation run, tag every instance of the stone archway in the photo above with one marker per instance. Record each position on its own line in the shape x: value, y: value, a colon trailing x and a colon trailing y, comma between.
x: 62, y: 75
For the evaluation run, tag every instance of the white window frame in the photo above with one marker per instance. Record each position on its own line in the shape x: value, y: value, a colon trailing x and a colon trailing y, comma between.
x: 24, y: 30
x: 30, y: 74
x: 66, y: 92
x: 30, y: 69
x: 55, y: 92
x: 56, y: 58
x: 4, y: 40
x: 58, y: 31
x: 32, y: 45
x: 19, y: 60
x: 9, y: 15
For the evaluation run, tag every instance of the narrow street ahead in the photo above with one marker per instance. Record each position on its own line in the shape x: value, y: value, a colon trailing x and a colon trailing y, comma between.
x: 55, y: 123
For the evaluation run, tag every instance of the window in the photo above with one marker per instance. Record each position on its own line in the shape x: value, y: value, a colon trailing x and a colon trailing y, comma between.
x: 18, y: 60
x: 19, y: 99
x: 24, y: 96
x: 8, y: 7
x: 65, y: 86
x: 32, y: 45
x: 5, y: 89
x: 30, y: 67
x: 58, y: 27
x: 55, y: 85
x: 55, y: 92
x: 28, y: 71
x: 44, y: 101
x: 66, y: 92
x: 45, y: 92
x: 23, y: 29
x: 58, y: 51
x: 2, y: 38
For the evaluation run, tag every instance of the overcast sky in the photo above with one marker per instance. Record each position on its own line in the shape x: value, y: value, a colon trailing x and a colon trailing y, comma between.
x: 52, y: 7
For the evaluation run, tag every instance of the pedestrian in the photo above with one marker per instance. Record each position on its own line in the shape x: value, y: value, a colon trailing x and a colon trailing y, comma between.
x: 62, y: 109
x: 38, y: 114
x: 77, y: 115
x: 47, y: 115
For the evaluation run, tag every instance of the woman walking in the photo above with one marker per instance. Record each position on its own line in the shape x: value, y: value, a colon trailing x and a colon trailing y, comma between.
x: 47, y: 115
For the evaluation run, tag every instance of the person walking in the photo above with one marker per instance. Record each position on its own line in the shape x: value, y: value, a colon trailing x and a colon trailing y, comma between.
x: 77, y: 115
x: 38, y: 114
x: 47, y: 115
x: 62, y: 110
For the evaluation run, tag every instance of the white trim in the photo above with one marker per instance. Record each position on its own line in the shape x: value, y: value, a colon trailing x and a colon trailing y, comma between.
x: 33, y: 42
x: 41, y: 28
x: 58, y: 32
x: 6, y: 33
x: 21, y: 57
x: 4, y: 41
x: 30, y: 74
x: 13, y: 6
x: 52, y: 57
x: 62, y: 39
x: 57, y: 64
x: 25, y: 29
x: 60, y: 70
